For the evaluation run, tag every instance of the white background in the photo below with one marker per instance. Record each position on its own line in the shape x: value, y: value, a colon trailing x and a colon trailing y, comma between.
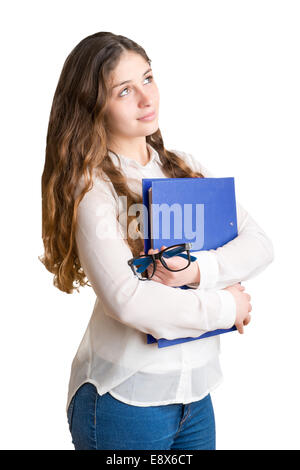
x: 228, y: 74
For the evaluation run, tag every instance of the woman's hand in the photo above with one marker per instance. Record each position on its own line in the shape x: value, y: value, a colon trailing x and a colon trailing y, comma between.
x: 243, y: 306
x: 171, y: 278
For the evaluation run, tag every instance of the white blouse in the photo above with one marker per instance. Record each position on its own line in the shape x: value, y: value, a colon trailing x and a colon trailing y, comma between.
x: 113, y: 353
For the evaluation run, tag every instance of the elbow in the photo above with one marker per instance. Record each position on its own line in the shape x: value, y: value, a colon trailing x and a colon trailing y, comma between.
x: 127, y: 313
x: 135, y: 314
x: 266, y: 248
x: 270, y: 251
x: 125, y: 304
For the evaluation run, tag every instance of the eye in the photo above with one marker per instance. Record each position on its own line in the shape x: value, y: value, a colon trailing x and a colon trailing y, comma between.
x: 121, y: 94
x: 149, y: 76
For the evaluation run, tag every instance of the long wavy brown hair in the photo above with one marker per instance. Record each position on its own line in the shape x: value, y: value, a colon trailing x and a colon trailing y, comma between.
x: 77, y: 146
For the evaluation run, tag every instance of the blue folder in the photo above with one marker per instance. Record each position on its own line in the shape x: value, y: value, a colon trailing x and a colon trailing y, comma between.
x: 204, y: 214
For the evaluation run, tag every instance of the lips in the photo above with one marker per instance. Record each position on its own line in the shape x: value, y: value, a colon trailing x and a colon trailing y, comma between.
x: 148, y: 115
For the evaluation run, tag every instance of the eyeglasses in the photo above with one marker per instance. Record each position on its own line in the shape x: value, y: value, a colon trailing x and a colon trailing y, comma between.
x: 144, y: 266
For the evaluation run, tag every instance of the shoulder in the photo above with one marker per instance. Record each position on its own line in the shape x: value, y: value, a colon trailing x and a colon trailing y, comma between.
x: 194, y: 163
x: 102, y: 190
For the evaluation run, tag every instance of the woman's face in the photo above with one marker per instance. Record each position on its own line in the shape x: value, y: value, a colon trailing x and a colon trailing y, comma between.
x: 128, y: 102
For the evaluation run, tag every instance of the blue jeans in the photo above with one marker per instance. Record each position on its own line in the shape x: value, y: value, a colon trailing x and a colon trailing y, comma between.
x: 99, y: 422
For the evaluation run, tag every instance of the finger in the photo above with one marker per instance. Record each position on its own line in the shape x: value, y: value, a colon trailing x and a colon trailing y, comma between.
x: 158, y: 262
x: 151, y: 251
x: 239, y: 286
x: 240, y: 328
x: 247, y: 320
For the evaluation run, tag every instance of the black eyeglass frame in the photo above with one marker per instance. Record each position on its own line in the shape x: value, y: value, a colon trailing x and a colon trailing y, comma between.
x: 155, y: 256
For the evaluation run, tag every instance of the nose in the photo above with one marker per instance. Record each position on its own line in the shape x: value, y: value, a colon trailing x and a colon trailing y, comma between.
x: 144, y: 98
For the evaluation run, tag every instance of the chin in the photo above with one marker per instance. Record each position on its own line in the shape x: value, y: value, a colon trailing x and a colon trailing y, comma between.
x: 152, y: 129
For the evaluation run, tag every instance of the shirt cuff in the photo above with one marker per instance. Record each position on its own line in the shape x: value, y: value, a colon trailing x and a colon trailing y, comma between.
x: 228, y: 309
x: 209, y: 270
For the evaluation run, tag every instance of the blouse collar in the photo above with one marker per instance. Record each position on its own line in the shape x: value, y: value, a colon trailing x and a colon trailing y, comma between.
x: 129, y: 162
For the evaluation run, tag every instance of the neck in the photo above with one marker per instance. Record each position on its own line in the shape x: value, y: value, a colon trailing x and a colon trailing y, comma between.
x: 137, y: 151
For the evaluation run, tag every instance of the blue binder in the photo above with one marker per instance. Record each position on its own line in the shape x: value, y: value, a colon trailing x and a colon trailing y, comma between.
x: 203, y: 207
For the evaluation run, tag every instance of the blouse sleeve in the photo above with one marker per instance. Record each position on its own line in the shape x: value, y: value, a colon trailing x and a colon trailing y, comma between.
x: 149, y: 306
x: 240, y: 259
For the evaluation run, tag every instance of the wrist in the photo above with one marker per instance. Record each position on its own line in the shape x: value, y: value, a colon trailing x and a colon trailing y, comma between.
x: 194, y: 273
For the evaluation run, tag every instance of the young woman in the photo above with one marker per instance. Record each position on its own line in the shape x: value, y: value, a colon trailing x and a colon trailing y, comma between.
x: 123, y: 392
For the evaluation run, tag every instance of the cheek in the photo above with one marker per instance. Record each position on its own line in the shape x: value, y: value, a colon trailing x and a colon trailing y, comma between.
x: 155, y: 92
x: 120, y: 113
x: 128, y: 113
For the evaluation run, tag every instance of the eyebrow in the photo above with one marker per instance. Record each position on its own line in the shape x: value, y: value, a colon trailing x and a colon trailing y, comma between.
x: 128, y: 81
